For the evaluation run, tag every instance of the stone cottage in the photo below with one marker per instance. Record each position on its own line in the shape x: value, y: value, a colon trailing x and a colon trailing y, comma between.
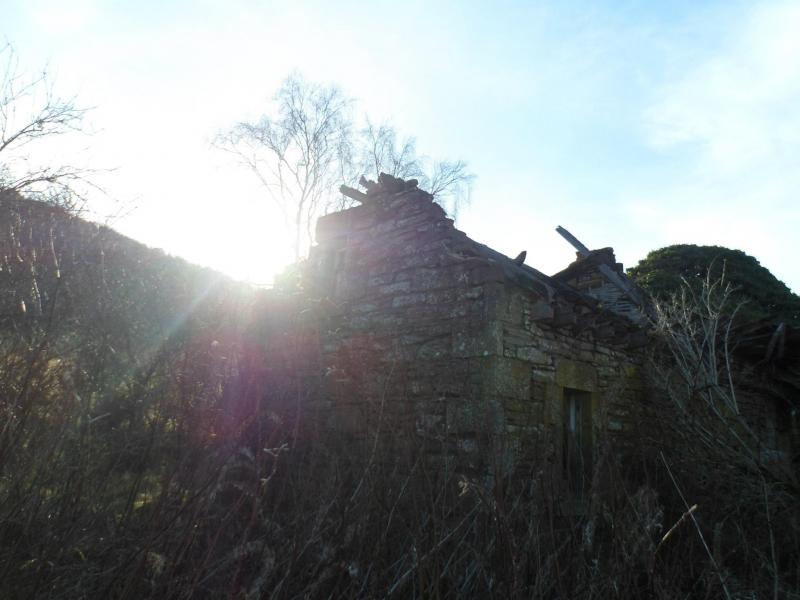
x: 453, y: 343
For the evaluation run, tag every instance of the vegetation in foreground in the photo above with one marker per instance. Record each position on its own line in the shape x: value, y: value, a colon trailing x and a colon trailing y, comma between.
x: 148, y: 448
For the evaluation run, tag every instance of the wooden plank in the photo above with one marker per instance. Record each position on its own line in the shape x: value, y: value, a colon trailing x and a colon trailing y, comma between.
x: 611, y: 275
x: 623, y: 285
x: 353, y: 193
x: 582, y: 250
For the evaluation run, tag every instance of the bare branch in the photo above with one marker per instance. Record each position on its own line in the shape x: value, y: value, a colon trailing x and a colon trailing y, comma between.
x: 381, y: 152
x: 305, y: 147
x: 298, y: 152
x: 29, y: 112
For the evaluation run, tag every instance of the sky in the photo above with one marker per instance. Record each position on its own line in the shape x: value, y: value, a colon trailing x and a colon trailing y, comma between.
x: 633, y: 124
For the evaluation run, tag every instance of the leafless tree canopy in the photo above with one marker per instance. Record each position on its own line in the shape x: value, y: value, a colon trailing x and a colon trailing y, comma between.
x: 707, y: 388
x: 298, y: 155
x: 309, y: 145
x: 381, y: 151
x: 30, y: 111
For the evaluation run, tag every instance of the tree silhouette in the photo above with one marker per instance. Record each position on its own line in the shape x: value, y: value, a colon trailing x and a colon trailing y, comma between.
x: 31, y: 112
x: 663, y: 272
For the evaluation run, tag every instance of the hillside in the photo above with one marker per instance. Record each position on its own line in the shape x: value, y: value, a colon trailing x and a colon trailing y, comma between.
x: 114, y: 359
x: 46, y: 252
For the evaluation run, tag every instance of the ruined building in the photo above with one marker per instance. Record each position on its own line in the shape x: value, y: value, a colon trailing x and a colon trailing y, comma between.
x: 453, y: 343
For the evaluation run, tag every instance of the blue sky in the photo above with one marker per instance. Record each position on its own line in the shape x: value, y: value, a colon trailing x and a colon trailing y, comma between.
x: 633, y: 124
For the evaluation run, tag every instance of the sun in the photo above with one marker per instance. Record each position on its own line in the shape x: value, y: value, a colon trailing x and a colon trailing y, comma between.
x: 248, y: 249
x: 244, y: 237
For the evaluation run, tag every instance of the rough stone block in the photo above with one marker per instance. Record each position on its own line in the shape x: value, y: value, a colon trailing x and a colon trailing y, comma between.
x: 364, y: 307
x: 486, y: 273
x: 471, y: 293
x: 380, y: 279
x: 508, y: 378
x: 408, y: 299
x: 435, y: 348
x: 533, y: 354
x: 430, y: 279
x: 577, y: 375
x: 394, y: 288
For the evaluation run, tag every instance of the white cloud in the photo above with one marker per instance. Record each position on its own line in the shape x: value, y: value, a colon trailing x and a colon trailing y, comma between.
x: 730, y: 122
x: 738, y: 105
x: 759, y: 219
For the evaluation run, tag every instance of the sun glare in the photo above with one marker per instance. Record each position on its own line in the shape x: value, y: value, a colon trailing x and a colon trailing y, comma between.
x: 247, y: 247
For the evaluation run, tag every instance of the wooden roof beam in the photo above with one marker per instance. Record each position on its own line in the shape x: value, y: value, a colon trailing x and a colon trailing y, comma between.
x: 611, y: 275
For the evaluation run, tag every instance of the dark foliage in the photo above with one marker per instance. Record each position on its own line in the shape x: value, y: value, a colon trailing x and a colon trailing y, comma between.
x: 663, y: 272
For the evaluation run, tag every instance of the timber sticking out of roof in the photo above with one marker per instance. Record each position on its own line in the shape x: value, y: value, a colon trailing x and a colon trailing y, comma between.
x: 617, y: 279
x: 560, y: 305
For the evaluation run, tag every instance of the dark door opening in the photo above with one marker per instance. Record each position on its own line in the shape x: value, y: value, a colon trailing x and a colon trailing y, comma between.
x: 577, y: 443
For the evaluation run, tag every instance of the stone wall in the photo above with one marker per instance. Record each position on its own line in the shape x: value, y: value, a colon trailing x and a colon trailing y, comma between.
x: 555, y: 359
x: 425, y: 336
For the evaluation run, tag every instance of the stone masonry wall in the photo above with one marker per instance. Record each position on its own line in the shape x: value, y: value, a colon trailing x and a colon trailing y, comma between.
x: 424, y: 338
x: 555, y: 359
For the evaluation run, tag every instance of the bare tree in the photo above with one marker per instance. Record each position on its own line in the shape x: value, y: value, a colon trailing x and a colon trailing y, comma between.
x: 299, y: 154
x: 451, y: 184
x: 716, y: 421
x: 381, y: 151
x: 699, y: 374
x: 306, y: 147
x: 30, y: 112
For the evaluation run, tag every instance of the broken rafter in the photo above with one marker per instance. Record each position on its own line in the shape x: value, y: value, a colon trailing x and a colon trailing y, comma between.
x: 575, y: 242
x: 353, y: 193
x: 611, y: 275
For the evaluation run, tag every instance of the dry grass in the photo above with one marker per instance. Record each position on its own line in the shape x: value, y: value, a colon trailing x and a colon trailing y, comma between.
x: 173, y: 463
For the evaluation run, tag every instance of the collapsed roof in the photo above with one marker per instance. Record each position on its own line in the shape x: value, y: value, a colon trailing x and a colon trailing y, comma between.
x: 560, y: 305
